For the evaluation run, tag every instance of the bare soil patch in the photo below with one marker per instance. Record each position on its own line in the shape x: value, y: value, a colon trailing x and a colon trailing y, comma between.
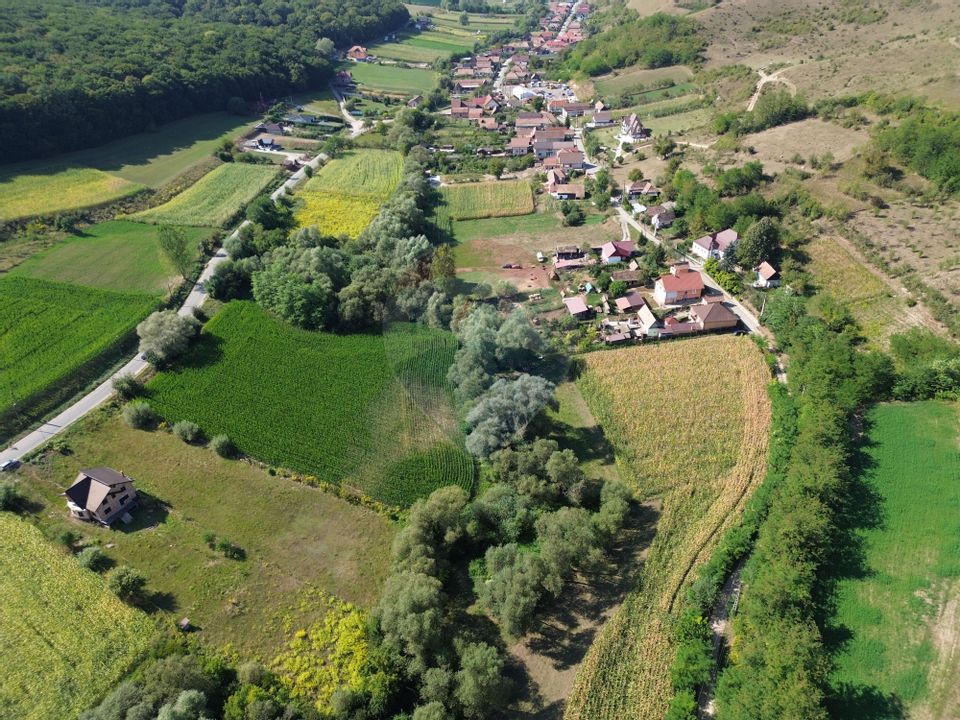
x: 945, y: 629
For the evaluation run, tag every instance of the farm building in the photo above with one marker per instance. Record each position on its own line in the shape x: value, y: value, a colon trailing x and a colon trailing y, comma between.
x: 102, y: 495
x: 568, y: 191
x: 577, y: 307
x: 767, y: 276
x: 680, y: 285
x: 631, y: 278
x: 631, y: 302
x: 617, y: 251
x: 716, y: 245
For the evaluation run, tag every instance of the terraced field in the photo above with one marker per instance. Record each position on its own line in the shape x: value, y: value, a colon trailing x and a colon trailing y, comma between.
x: 215, y: 199
x: 370, y: 411
x: 65, y: 639
x: 701, y: 469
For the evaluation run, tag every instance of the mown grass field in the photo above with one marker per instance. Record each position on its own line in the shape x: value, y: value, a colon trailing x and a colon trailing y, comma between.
x: 214, y: 199
x: 392, y: 79
x: 295, y: 537
x: 65, y: 639
x: 371, y: 411
x: 115, y: 170
x: 346, y: 193
x: 424, y: 46
x: 700, y: 448
x: 901, y: 617
x: 47, y: 330
x: 116, y: 255
x: 484, y: 200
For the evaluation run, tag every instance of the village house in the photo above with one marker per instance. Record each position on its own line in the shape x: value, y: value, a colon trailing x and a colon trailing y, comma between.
x: 553, y: 133
x: 101, y: 495
x: 270, y: 128
x: 573, y: 110
x: 535, y: 120
x: 568, y: 191
x: 544, y: 148
x: 601, y: 118
x: 712, y: 315
x: 488, y: 123
x: 714, y: 246
x: 629, y: 303
x: 617, y: 251
x: 570, y: 257
x: 641, y: 188
x: 467, y: 85
x: 566, y: 160
x: 632, y: 129
x: 458, y: 108
x: 630, y: 278
x: 680, y: 285
x: 358, y: 53
x: 577, y: 307
x: 767, y: 276
x: 519, y: 145
x: 662, y: 216
x: 415, y: 102
x: 647, y: 320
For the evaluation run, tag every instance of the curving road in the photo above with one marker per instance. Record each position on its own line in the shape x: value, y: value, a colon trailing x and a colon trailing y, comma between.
x: 104, y: 391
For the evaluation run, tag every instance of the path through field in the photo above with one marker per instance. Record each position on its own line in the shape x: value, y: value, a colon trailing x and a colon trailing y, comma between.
x: 773, y: 77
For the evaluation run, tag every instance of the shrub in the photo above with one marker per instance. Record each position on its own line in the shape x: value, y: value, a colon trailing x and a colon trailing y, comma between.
x: 127, y: 583
x: 140, y: 415
x: 68, y: 538
x: 93, y: 558
x: 10, y: 496
x: 229, y: 550
x: 223, y: 446
x: 127, y: 387
x: 210, y: 538
x: 188, y: 431
x: 164, y: 336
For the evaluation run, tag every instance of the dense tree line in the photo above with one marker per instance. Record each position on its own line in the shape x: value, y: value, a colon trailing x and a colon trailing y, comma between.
x: 76, y: 74
x: 773, y: 108
x: 927, y: 141
x: 654, y: 41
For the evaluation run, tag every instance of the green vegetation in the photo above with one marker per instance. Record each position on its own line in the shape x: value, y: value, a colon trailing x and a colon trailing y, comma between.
x: 215, y: 199
x: 928, y: 141
x: 367, y: 410
x: 393, y: 78
x: 30, y: 193
x: 425, y: 46
x: 775, y: 107
x: 909, y: 564
x: 79, y: 75
x: 655, y: 41
x: 371, y: 173
x: 66, y: 639
x: 51, y: 329
x: 117, y: 255
x: 482, y: 200
x: 190, y: 499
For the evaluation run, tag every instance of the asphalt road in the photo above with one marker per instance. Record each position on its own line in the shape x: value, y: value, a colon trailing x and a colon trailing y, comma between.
x: 136, y: 365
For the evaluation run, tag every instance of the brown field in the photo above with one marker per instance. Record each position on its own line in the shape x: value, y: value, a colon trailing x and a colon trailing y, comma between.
x: 702, y: 466
x: 842, y: 48
x: 775, y: 147
x: 649, y: 7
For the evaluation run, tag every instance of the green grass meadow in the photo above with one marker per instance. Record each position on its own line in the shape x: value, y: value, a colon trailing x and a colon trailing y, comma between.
x: 214, y: 199
x: 888, y: 612
x: 369, y: 173
x: 48, y: 330
x: 117, y: 255
x: 371, y: 411
x: 99, y: 175
x: 392, y: 79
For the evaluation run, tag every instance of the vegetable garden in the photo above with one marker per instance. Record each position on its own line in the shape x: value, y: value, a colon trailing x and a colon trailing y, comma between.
x: 215, y: 199
x: 64, y: 638
x: 329, y: 405
x: 701, y: 449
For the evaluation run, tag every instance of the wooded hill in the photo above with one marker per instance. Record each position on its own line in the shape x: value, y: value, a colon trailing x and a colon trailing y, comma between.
x: 76, y: 73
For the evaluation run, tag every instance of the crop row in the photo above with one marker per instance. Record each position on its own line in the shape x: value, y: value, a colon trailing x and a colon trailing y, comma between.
x: 48, y: 330
x: 482, y: 200
x: 366, y: 173
x: 703, y: 469
x: 64, y: 638
x: 214, y: 199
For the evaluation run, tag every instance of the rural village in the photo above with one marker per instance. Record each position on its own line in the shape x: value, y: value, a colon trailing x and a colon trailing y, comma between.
x: 353, y: 360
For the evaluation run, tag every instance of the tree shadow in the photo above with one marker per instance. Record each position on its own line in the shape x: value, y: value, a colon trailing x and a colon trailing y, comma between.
x: 860, y: 702
x: 160, y: 601
x: 149, y: 512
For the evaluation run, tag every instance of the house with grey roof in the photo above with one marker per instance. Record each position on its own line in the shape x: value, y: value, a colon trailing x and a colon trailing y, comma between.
x: 101, y: 495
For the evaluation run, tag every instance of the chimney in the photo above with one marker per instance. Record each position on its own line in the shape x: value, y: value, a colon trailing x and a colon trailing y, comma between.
x: 679, y: 268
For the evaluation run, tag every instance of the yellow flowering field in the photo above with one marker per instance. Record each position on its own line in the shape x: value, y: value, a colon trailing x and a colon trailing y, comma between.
x: 65, y: 639
x: 336, y: 214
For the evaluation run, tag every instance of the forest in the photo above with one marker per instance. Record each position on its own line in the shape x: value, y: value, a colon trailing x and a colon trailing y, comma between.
x: 76, y: 73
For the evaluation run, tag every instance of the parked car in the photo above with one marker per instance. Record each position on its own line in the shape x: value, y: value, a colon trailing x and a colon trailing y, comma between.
x: 9, y: 465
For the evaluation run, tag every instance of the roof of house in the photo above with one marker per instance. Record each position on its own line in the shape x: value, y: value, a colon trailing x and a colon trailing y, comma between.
x: 683, y: 281
x: 93, y: 485
x: 629, y: 302
x: 570, y: 156
x: 576, y: 305
x: 726, y: 238
x: 646, y: 316
x: 602, y: 116
x: 712, y: 312
x: 766, y: 271
x: 576, y: 190
x: 618, y: 248
x: 626, y: 275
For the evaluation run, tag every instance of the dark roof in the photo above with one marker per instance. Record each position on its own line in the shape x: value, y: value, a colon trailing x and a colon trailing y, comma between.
x: 106, y: 476
x: 79, y: 491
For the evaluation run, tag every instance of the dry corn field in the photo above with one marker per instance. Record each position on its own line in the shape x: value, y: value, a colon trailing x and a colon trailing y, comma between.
x: 689, y: 420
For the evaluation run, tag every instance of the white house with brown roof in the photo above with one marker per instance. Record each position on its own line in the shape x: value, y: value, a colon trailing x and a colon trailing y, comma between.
x: 680, y: 285
x: 767, y: 276
x: 632, y: 130
x: 716, y: 245
x: 713, y: 316
x: 102, y: 495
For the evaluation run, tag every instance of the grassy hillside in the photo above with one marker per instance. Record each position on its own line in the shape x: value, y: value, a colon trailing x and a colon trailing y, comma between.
x: 371, y: 411
x: 64, y: 638
x: 116, y: 255
x: 697, y: 446
x: 28, y: 193
x: 897, y: 615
